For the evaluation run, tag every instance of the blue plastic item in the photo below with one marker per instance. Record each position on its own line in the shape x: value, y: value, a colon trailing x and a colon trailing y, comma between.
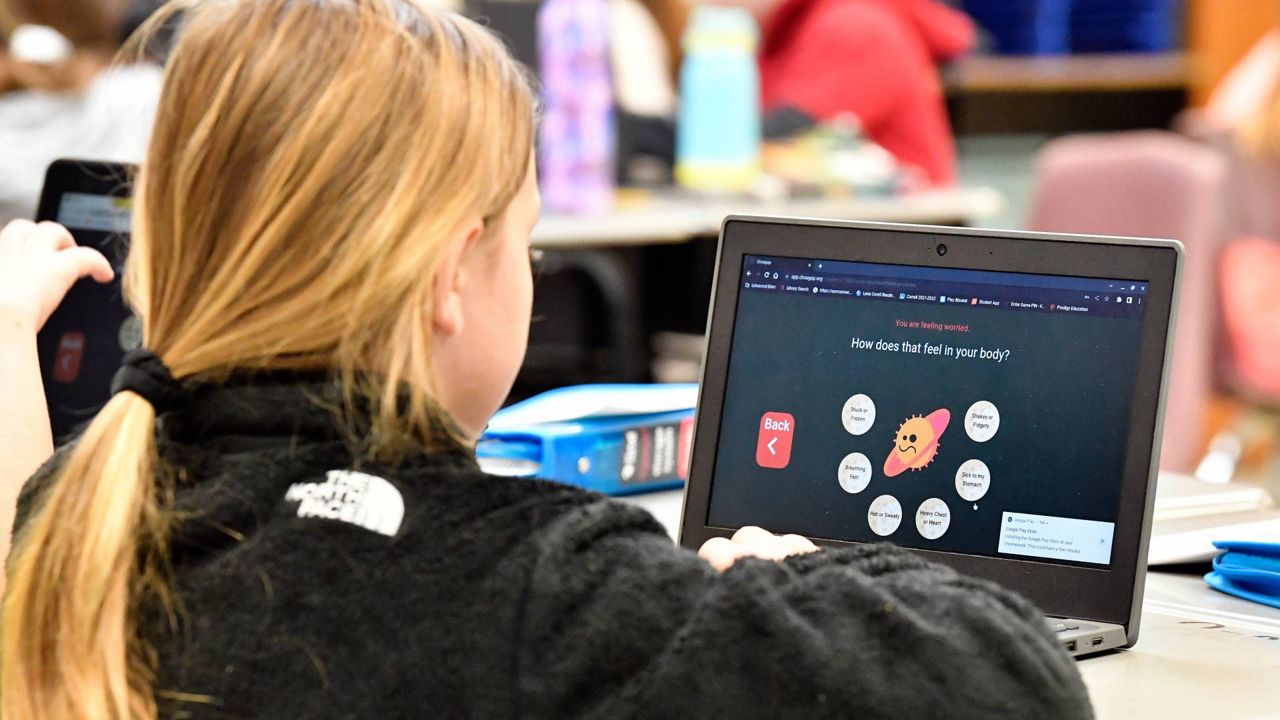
x: 1249, y: 570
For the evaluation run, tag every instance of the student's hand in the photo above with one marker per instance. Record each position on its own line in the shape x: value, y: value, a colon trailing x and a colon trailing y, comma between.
x: 755, y: 542
x: 38, y: 265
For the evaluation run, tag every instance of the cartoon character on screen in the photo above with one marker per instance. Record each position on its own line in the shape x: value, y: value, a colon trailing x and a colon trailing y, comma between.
x: 916, y: 442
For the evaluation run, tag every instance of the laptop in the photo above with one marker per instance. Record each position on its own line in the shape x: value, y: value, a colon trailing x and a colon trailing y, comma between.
x: 84, y: 341
x: 991, y: 400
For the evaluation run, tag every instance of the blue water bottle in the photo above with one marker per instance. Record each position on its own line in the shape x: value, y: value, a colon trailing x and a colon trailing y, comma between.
x: 718, y: 132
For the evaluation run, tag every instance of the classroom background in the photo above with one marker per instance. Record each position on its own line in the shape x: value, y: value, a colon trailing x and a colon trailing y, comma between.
x: 1132, y: 117
x: 1129, y: 117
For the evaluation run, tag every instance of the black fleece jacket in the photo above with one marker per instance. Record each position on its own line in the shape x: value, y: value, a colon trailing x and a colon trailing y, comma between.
x: 305, y: 594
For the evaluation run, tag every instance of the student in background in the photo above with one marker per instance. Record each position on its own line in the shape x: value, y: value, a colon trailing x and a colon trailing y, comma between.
x: 279, y: 512
x: 1243, y: 92
x: 57, y: 98
x: 1243, y: 118
x: 875, y: 59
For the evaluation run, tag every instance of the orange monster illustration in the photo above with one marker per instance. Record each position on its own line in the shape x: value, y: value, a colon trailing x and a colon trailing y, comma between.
x: 916, y: 442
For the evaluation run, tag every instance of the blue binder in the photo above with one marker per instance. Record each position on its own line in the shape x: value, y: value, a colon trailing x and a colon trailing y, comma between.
x: 614, y: 446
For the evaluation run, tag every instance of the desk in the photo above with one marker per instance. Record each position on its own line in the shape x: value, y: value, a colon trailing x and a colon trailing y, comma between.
x: 666, y: 219
x: 1200, y: 653
x: 1099, y: 72
x: 1057, y: 94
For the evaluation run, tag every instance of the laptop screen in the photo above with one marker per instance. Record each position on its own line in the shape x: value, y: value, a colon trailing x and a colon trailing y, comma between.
x: 961, y: 411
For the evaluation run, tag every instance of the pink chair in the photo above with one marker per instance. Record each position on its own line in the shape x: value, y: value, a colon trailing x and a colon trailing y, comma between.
x: 1150, y: 184
x: 1251, y: 315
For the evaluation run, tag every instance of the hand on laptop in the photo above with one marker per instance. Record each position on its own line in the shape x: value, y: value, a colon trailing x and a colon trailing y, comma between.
x: 38, y: 265
x: 755, y: 542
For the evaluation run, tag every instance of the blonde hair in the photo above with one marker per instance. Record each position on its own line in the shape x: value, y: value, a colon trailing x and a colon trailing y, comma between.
x: 308, y: 160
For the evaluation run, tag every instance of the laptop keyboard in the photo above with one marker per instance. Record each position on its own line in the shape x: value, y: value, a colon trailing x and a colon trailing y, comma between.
x: 1059, y: 626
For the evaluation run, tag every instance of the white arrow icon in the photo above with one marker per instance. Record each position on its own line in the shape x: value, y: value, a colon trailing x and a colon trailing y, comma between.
x: 770, y: 446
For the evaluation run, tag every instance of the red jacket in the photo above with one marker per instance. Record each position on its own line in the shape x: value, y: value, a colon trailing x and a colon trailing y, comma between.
x: 873, y: 58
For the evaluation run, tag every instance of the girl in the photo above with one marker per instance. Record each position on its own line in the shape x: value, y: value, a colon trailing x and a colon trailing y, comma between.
x: 279, y: 514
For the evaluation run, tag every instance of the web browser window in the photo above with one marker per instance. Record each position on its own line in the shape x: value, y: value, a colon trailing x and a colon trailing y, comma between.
x: 964, y: 411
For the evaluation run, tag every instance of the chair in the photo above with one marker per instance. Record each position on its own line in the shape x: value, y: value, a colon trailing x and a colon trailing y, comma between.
x: 587, y: 322
x: 1151, y: 184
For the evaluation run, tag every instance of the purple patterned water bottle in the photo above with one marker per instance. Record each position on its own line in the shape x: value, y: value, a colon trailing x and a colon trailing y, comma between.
x: 576, y: 156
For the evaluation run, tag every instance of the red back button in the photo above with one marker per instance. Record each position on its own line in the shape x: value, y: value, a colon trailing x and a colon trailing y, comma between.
x: 66, y: 363
x: 773, y: 447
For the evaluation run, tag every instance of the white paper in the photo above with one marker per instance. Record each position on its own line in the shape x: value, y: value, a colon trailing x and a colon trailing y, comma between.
x: 1197, y: 545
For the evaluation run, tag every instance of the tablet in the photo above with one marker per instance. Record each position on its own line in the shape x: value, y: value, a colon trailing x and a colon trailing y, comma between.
x: 83, y: 342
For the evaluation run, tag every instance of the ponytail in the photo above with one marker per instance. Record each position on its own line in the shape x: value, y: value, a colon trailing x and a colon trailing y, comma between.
x: 91, y: 550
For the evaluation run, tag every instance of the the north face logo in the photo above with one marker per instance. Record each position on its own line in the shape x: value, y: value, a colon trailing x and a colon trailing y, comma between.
x: 352, y: 497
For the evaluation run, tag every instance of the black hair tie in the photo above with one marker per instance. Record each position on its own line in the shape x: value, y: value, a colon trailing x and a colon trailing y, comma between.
x: 145, y: 375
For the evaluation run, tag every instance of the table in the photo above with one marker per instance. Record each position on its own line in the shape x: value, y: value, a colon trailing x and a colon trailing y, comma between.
x: 1099, y: 72
x: 1200, y: 653
x: 674, y: 218
x: 1057, y: 94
